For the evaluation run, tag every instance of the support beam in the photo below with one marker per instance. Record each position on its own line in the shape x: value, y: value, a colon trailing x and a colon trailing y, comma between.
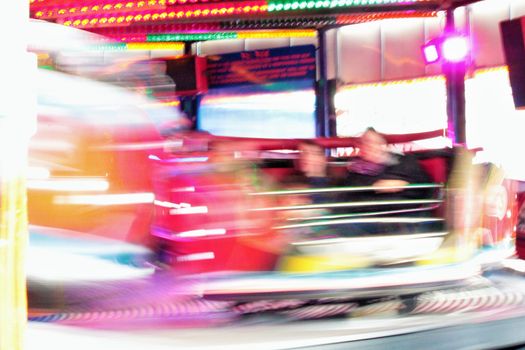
x: 455, y: 83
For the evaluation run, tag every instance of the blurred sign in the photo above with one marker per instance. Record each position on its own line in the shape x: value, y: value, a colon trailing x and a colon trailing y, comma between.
x: 262, y: 66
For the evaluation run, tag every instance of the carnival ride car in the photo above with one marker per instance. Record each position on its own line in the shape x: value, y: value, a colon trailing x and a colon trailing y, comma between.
x: 218, y: 215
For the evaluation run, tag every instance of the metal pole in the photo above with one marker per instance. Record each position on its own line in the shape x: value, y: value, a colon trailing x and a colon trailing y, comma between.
x: 455, y: 83
x: 322, y: 91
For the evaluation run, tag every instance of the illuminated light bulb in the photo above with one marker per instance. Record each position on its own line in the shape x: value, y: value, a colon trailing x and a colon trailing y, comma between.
x: 155, y: 16
x: 230, y: 10
x: 107, y: 7
x: 180, y: 14
x: 222, y: 11
x: 39, y: 14
x: 302, y: 5
x: 67, y: 23
x: 146, y: 17
x: 197, y: 13
x: 60, y: 12
x: 295, y: 5
x: 171, y: 14
x: 279, y: 7
x: 287, y: 6
x: 93, y: 21
x: 162, y: 2
x: 214, y: 12
x: 141, y: 4
x: 138, y: 17
x: 310, y: 4
x: 112, y: 20
x: 263, y: 8
x: 129, y: 18
x: 163, y: 15
x: 103, y: 20
x: 205, y: 12
x: 95, y: 8
x: 76, y: 23
x: 84, y: 9
x: 152, y: 2
x: 73, y: 10
x: 246, y: 9
x: 118, y: 6
x: 188, y: 13
x: 455, y: 49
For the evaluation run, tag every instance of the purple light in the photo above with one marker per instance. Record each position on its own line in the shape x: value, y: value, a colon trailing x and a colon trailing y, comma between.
x: 431, y: 53
x: 455, y: 49
x: 451, y: 48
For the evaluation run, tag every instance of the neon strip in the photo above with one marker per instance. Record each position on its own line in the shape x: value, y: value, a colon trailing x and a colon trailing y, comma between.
x: 388, y: 212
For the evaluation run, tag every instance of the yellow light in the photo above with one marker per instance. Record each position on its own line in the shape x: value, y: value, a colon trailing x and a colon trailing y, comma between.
x: 67, y: 23
x: 84, y: 9
x: 39, y: 14
x: 73, y: 10
x: 155, y: 46
x: 60, y: 12
x: 107, y: 7
x: 140, y: 4
x: 129, y: 18
x: 103, y: 20
x: 118, y: 6
x: 138, y: 17
x: 93, y: 21
x: 76, y: 23
x: 276, y: 34
x: 163, y: 15
x: 129, y: 5
x: 155, y: 16
x: 95, y: 8
x: 171, y: 14
x: 146, y: 17
x: 120, y: 19
x: 85, y: 21
x: 112, y: 19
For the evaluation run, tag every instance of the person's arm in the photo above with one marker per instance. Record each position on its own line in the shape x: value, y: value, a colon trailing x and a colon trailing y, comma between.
x: 406, y: 172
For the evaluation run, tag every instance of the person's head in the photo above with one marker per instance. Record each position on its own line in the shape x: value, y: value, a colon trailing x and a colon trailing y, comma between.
x: 373, y: 146
x: 311, y: 156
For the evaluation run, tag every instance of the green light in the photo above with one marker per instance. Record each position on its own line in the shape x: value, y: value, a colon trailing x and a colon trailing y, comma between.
x: 319, y: 4
x: 295, y: 6
x: 310, y: 4
x: 279, y: 7
x: 334, y: 3
x: 190, y: 37
x: 302, y: 5
x: 326, y: 3
x: 287, y: 6
x: 271, y: 7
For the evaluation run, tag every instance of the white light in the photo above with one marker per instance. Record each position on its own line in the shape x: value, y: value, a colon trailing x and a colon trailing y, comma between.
x: 202, y: 233
x: 34, y: 172
x: 68, y: 184
x: 190, y: 210
x: 455, y: 49
x: 106, y: 199
x: 197, y: 256
x: 431, y: 53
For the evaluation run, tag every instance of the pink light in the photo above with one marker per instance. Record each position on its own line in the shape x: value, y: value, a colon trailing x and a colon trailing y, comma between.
x: 455, y: 49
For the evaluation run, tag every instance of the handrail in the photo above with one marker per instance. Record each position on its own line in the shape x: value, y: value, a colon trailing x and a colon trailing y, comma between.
x: 350, y: 204
x: 345, y: 189
x: 403, y: 220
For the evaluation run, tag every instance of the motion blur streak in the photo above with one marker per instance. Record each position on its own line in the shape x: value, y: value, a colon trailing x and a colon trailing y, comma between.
x: 106, y: 199
x: 69, y: 184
